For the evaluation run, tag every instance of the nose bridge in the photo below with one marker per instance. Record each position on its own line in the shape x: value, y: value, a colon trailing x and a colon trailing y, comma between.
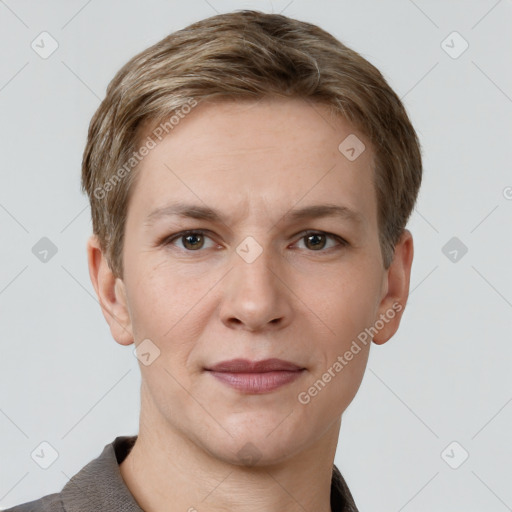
x: 254, y: 294
x: 254, y: 260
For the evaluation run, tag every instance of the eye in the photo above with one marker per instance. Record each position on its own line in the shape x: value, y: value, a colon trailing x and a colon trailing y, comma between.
x: 192, y: 240
x: 316, y: 240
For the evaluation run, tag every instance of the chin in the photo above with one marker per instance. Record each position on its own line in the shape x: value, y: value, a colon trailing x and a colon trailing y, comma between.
x: 255, y: 447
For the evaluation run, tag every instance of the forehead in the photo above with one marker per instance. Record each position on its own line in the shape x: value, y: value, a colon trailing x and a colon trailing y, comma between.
x: 257, y: 156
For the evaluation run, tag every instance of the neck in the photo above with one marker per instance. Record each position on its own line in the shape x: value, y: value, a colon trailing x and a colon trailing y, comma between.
x: 166, y: 472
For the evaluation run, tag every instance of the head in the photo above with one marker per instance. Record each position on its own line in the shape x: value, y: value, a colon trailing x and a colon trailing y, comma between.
x: 244, y: 122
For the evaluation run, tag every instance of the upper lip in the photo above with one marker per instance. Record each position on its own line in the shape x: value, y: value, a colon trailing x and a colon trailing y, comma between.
x: 247, y: 366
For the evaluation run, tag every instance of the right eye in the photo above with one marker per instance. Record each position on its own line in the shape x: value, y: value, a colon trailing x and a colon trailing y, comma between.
x: 192, y: 240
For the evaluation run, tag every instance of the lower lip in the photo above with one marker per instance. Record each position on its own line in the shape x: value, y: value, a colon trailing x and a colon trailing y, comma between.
x: 257, y: 382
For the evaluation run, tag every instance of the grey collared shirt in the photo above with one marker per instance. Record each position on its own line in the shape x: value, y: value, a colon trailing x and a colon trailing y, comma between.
x: 99, y: 486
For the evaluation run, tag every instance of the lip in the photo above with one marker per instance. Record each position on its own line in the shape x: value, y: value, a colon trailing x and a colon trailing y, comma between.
x: 256, y: 376
x: 247, y: 366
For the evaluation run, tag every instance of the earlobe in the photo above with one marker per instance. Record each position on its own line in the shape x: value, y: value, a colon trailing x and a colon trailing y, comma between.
x: 111, y: 293
x: 392, y: 305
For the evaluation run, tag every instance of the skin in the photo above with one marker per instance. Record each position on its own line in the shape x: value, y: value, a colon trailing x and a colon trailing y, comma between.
x: 253, y: 161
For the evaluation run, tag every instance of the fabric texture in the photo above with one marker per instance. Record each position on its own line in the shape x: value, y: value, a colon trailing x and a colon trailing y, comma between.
x: 99, y: 486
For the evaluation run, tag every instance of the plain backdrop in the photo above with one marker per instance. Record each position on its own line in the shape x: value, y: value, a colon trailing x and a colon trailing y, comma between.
x: 430, y: 428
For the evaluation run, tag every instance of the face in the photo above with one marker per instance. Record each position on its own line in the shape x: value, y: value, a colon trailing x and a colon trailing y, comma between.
x: 260, y: 275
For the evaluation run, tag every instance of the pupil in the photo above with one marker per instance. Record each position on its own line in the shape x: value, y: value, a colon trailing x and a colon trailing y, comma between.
x: 317, y: 243
x: 192, y: 237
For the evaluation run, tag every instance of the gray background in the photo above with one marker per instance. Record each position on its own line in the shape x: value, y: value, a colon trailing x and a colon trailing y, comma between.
x: 446, y: 376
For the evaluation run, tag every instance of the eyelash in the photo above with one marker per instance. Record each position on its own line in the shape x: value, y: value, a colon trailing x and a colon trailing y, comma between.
x: 168, y: 240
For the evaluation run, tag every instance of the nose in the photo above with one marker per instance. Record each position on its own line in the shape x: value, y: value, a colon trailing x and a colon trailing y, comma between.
x: 255, y: 296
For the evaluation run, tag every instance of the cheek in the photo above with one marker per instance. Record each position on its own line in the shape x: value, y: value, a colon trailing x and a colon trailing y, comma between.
x: 347, y: 301
x: 347, y: 381
x: 161, y: 298
x: 167, y: 309
x: 325, y: 398
x: 348, y: 305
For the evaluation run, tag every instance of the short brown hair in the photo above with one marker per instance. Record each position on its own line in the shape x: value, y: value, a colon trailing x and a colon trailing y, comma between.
x: 246, y: 54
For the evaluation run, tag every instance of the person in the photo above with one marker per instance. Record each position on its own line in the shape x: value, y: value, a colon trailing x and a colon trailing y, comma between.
x: 250, y: 180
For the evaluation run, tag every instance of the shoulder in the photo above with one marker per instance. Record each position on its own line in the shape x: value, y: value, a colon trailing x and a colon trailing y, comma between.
x: 49, y: 503
x: 341, y: 497
x: 96, y: 487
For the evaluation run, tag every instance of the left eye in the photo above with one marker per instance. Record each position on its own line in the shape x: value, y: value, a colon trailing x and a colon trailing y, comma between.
x: 314, y: 239
x: 193, y: 241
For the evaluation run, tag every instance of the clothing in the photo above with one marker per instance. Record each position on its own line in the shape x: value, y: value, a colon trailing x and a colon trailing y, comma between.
x: 99, y: 486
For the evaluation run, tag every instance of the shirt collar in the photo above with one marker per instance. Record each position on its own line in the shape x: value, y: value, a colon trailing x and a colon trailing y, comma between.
x: 100, y: 486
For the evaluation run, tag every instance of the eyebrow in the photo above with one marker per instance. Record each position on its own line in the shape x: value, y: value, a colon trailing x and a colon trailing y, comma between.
x: 194, y: 211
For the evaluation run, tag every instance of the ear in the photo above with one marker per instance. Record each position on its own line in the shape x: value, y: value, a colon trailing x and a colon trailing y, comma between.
x: 111, y: 293
x: 396, y: 291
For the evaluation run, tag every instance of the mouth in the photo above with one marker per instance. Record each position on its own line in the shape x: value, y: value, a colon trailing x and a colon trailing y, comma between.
x: 256, y: 377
